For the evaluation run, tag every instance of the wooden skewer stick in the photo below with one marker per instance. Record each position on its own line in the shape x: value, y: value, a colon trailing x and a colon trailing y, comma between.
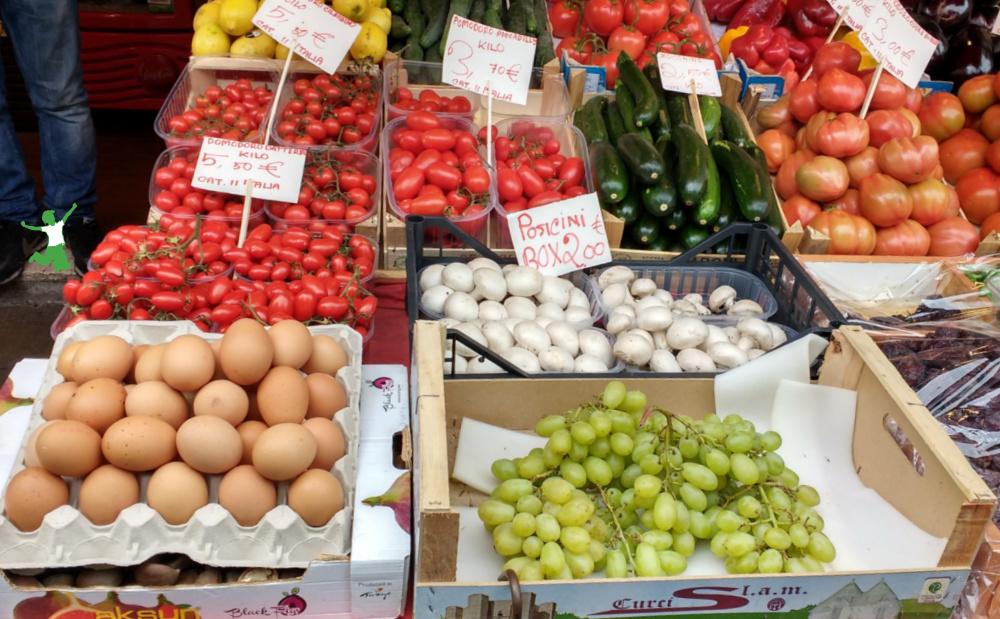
x: 829, y: 38
x: 871, y: 89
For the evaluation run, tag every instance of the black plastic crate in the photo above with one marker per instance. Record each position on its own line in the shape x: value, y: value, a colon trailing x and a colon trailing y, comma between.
x: 753, y: 248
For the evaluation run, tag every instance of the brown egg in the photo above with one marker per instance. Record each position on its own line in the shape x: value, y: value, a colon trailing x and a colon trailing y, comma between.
x: 209, y: 444
x: 65, y: 363
x: 147, y: 367
x: 156, y: 399
x: 283, y: 396
x: 247, y: 495
x: 249, y: 431
x: 246, y: 352
x: 176, y: 491
x: 188, y: 363
x: 105, y: 356
x: 292, y: 343
x: 316, y: 496
x: 283, y: 451
x: 327, y: 356
x: 54, y: 406
x: 32, y: 493
x: 106, y: 492
x: 330, y: 442
x: 30, y: 453
x: 326, y: 395
x: 224, y: 399
x: 69, y: 448
x: 98, y: 403
x: 139, y: 443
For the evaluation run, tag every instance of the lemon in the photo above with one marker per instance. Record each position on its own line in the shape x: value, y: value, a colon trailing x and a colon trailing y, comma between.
x: 207, y: 14
x: 253, y: 45
x: 351, y: 9
x: 378, y: 3
x: 380, y: 17
x: 371, y: 43
x: 209, y: 40
x: 235, y: 16
x: 280, y: 51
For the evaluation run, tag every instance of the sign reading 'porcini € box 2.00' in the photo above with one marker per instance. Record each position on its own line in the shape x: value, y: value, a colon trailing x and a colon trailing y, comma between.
x: 486, y: 61
x: 561, y: 237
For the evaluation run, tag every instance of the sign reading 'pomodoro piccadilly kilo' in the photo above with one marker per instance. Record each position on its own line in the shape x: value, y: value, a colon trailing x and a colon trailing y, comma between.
x: 561, y: 237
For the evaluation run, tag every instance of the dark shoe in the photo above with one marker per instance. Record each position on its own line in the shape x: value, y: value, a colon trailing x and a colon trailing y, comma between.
x: 82, y: 237
x: 16, y: 244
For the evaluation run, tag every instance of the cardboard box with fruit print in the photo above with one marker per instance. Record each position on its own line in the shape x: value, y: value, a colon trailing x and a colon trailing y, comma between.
x: 371, y: 582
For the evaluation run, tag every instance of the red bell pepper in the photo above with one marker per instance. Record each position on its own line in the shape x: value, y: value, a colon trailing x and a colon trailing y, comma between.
x: 760, y: 44
x: 765, y: 12
x: 812, y: 18
x: 722, y: 10
x: 799, y: 51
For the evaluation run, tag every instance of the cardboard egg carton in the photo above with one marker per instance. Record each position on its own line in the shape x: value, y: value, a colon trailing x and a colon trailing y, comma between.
x: 212, y: 536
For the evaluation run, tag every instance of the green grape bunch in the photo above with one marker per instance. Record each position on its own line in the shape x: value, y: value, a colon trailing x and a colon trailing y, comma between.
x: 630, y: 490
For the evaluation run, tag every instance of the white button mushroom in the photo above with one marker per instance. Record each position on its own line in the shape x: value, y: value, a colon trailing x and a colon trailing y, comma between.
x: 564, y: 336
x: 460, y: 365
x: 715, y: 334
x: 642, y: 287
x: 498, y: 338
x: 664, y: 361
x: 617, y: 274
x: 431, y: 276
x: 524, y: 281
x: 579, y: 318
x: 660, y: 340
x: 586, y: 364
x: 555, y: 290
x: 578, y: 298
x: 694, y: 360
x: 665, y: 296
x: 745, y: 343
x: 686, y: 333
x: 754, y: 353
x: 778, y: 336
x: 633, y: 349
x: 655, y: 318
x: 684, y: 308
x: 732, y: 333
x: 555, y: 360
x: 615, y: 295
x: 461, y: 306
x: 619, y: 322
x: 596, y: 344
x: 491, y: 284
x: 433, y: 298
x: 483, y: 263
x: 745, y: 307
x: 551, y: 311
x: 726, y: 355
x: 520, y: 308
x: 474, y: 333
x: 458, y: 277
x: 721, y: 299
x: 491, y: 310
x: 758, y: 331
x: 531, y: 337
x: 522, y: 359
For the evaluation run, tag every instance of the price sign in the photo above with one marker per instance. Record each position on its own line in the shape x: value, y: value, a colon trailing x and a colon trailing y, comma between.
x: 226, y: 166
x: 896, y: 40
x: 561, y: 237
x: 678, y: 73
x: 311, y: 29
x: 855, y: 12
x: 486, y: 60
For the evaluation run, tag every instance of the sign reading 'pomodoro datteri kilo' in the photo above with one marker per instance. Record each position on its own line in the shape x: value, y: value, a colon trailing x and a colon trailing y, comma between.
x: 486, y: 60
x: 227, y: 166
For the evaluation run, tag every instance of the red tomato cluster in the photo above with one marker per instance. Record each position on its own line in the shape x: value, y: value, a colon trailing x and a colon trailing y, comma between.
x: 330, y: 109
x: 430, y: 101
x: 174, y: 193
x: 233, y: 112
x: 436, y: 171
x: 594, y: 31
x: 320, y: 249
x: 532, y: 171
x: 873, y: 185
x: 180, y: 270
x: 335, y: 188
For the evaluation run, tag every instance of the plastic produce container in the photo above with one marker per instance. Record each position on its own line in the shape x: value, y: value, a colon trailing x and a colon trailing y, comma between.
x: 365, y: 162
x: 304, y: 70
x: 571, y: 142
x: 202, y: 72
x: 548, y: 99
x: 701, y: 280
x: 191, y: 153
x: 419, y: 76
x: 475, y: 225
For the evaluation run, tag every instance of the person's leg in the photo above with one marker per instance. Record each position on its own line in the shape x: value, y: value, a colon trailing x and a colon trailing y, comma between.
x: 46, y: 39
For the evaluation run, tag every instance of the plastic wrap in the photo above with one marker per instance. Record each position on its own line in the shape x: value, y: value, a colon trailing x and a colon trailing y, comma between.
x: 980, y: 598
x: 954, y: 366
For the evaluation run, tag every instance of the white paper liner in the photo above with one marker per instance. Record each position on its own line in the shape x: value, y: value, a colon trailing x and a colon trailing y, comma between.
x: 212, y: 536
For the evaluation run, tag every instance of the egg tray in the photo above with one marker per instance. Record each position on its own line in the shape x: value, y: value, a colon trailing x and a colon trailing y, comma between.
x: 212, y: 536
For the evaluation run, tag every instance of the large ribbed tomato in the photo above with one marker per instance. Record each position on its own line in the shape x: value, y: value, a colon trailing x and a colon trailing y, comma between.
x: 932, y: 201
x: 884, y: 200
x: 836, y: 135
x: 979, y: 194
x: 953, y: 236
x: 822, y: 179
x: 907, y: 238
x: 848, y: 234
x: 909, y: 160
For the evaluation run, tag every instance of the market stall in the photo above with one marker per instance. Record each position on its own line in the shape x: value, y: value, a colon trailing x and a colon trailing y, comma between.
x: 681, y: 307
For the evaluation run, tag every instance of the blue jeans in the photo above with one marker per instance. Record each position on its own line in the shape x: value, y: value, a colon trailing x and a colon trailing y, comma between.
x: 46, y: 38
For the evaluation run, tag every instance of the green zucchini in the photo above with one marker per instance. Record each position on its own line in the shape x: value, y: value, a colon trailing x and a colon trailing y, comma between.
x: 679, y: 109
x: 431, y: 54
x: 494, y: 11
x: 742, y: 174
x: 610, y: 174
x: 396, y: 6
x: 646, y: 230
x: 400, y: 29
x: 707, y: 209
x: 460, y: 8
x: 692, y: 157
x: 589, y: 119
x: 516, y: 17
x: 415, y: 20
x: 626, y: 107
x: 613, y: 121
x: 692, y: 235
x: 646, y: 102
x: 437, y: 16
x: 661, y: 198
x: 732, y: 125
x: 661, y: 128
x: 544, y: 50
x: 629, y: 209
x: 728, y: 213
x: 711, y: 115
x: 641, y: 158
x: 530, y: 23
x: 661, y: 243
x: 675, y: 220
x: 477, y: 11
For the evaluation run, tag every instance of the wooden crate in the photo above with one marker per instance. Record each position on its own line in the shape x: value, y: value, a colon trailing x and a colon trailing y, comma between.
x: 947, y: 499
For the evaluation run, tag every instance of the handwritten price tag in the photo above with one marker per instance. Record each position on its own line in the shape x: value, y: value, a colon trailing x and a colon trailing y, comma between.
x: 856, y: 12
x: 894, y: 38
x: 226, y: 166
x: 483, y: 59
x: 678, y: 72
x: 561, y: 237
x: 313, y: 30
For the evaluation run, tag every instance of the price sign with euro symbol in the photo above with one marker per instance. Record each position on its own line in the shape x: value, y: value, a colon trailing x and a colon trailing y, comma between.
x: 226, y: 166
x: 487, y: 61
